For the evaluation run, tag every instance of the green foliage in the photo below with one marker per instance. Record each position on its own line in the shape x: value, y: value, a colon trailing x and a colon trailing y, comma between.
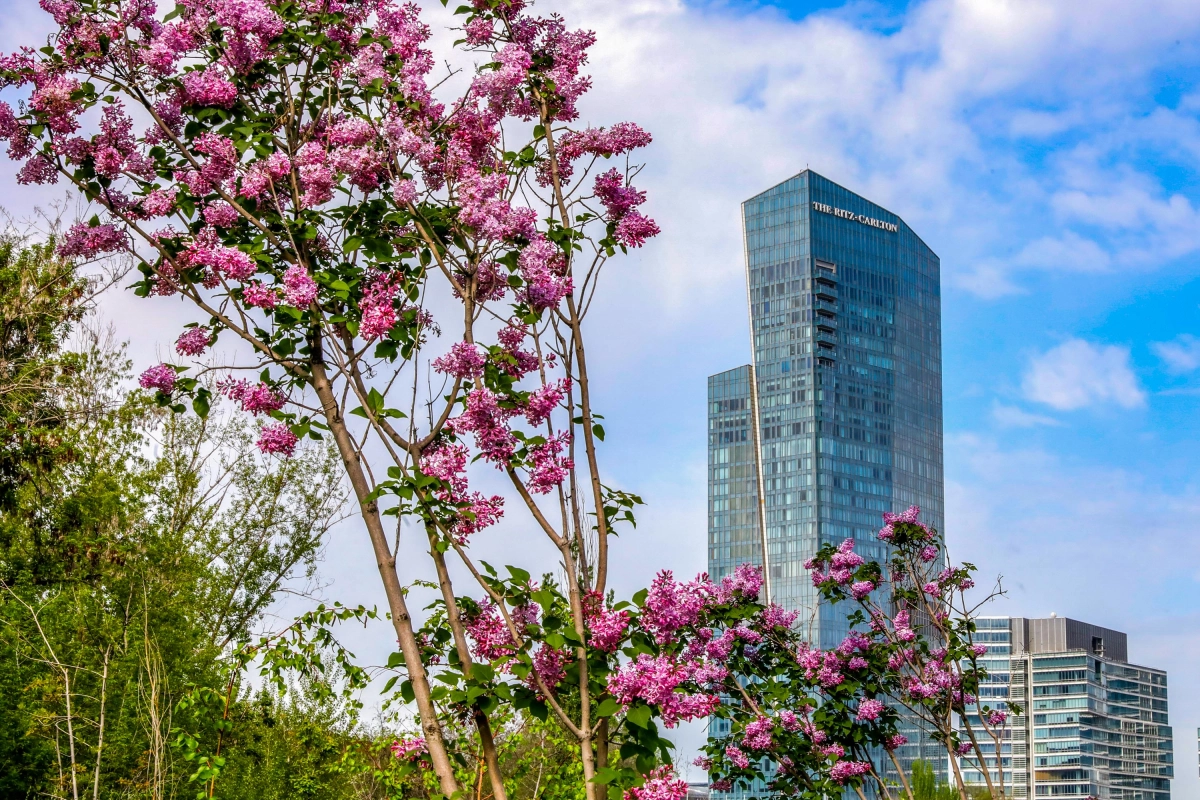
x: 926, y: 786
x: 125, y: 577
x: 41, y: 300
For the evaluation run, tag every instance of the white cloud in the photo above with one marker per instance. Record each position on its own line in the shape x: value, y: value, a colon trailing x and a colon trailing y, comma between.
x: 1180, y: 355
x: 1013, y: 417
x: 1078, y: 373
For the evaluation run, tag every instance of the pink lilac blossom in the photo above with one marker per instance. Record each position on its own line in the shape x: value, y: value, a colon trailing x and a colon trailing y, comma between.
x: 869, y: 710
x: 220, y: 214
x: 408, y: 749
x: 909, y: 517
x: 662, y: 784
x: 549, y: 664
x: 256, y: 182
x: 193, y: 341
x: 962, y: 748
x: 634, y: 229
x: 489, y: 422
x: 736, y: 756
x: 898, y: 740
x: 232, y: 263
x: 483, y: 207
x: 619, y: 139
x: 249, y: 27
x: 209, y: 88
x: 789, y: 721
x: 542, y: 267
x: 84, y: 241
x: 222, y: 157
x: 773, y: 616
x: 480, y: 31
x: 404, y: 192
x: 159, y: 203
x: 161, y: 377
x: 547, y: 467
x: 260, y: 296
x: 997, y: 717
x: 860, y: 589
x: 520, y: 362
x: 255, y: 398
x: 543, y: 401
x: 463, y: 361
x: 38, y: 170
x: 277, y: 438
x: 758, y: 734
x: 378, y: 309
x: 368, y: 65
x: 480, y: 512
x: 671, y: 605
x: 499, y: 85
x: 745, y: 582
x: 448, y: 463
x: 52, y: 99
x: 979, y: 649
x: 317, y: 182
x: 489, y: 634
x: 618, y: 199
x: 362, y: 165
x: 606, y: 629
x: 299, y: 289
x: 928, y: 553
x: 843, y: 771
x: 655, y: 680
x: 351, y: 132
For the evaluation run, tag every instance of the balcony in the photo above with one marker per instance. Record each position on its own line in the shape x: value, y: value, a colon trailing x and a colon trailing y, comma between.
x: 825, y: 291
x: 828, y: 306
x: 825, y: 338
x: 825, y: 323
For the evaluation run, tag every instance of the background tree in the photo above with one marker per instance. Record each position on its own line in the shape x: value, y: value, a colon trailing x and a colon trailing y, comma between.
x: 124, y: 577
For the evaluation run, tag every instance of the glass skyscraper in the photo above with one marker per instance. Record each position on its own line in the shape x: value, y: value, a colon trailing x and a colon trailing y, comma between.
x: 839, y: 417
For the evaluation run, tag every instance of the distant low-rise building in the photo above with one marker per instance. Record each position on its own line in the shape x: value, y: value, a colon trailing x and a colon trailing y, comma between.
x: 1094, y: 725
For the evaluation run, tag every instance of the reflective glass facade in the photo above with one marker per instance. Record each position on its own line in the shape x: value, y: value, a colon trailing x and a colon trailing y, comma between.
x: 845, y: 310
x: 846, y: 322
x: 1095, y: 726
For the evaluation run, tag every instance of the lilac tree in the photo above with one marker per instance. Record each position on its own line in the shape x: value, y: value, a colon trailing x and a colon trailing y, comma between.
x: 922, y: 623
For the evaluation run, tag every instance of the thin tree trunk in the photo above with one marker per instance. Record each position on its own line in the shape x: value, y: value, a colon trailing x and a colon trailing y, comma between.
x: 401, y: 619
x: 903, y: 778
x: 100, y: 734
x: 70, y: 731
x: 487, y: 741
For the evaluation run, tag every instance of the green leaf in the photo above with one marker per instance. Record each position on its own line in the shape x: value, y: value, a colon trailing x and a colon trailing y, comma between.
x: 608, y: 707
x: 200, y: 406
x: 606, y: 775
x: 598, y: 430
x: 639, y: 716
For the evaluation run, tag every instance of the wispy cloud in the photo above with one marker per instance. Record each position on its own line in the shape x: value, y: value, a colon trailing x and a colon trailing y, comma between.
x: 1181, y: 355
x: 1013, y: 417
x: 1078, y: 373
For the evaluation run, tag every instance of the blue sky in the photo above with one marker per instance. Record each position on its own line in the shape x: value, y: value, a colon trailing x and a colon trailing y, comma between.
x: 1048, y: 151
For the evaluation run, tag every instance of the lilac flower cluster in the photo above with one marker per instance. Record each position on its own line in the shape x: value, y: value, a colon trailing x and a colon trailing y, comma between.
x: 193, y: 341
x: 161, y: 377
